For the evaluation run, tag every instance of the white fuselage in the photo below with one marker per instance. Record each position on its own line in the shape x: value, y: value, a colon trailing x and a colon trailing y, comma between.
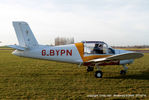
x: 65, y: 53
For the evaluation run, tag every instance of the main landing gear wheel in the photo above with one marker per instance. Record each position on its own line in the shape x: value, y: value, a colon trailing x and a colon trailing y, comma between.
x: 98, y: 74
x: 89, y: 69
x: 123, y: 72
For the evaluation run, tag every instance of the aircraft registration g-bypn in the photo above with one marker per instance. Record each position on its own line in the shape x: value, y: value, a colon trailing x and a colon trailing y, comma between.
x: 87, y: 53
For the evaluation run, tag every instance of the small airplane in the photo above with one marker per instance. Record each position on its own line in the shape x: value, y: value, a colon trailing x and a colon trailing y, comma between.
x: 88, y: 53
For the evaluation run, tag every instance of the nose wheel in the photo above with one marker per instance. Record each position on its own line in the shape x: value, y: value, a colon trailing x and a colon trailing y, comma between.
x: 123, y: 72
x: 98, y: 74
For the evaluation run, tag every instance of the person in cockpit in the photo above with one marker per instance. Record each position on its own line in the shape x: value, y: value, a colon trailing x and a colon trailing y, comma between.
x: 98, y: 49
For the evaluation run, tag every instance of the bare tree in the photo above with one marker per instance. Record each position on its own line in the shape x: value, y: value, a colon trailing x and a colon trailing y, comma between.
x: 63, y: 41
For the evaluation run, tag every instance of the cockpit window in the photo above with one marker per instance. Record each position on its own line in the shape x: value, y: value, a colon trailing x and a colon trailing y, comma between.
x: 88, y: 48
x: 95, y: 48
x: 111, y: 51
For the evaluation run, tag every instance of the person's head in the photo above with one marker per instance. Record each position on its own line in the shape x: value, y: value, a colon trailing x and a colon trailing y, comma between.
x: 100, y: 45
x: 96, y: 45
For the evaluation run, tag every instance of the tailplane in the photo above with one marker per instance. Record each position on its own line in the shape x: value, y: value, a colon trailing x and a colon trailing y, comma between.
x: 24, y: 34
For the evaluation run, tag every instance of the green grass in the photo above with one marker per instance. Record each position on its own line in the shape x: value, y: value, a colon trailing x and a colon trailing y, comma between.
x: 5, y: 48
x: 134, y: 48
x: 23, y: 78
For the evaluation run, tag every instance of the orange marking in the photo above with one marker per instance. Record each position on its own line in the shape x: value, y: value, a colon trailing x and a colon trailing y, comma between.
x: 80, y: 48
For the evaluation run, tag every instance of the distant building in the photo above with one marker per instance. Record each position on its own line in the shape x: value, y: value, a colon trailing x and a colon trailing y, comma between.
x: 63, y: 41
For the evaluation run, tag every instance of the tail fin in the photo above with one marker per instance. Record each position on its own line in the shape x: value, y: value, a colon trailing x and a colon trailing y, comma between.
x: 24, y: 34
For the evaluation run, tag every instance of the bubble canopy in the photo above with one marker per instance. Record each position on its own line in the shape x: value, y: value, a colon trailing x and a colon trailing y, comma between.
x: 97, y: 47
x: 96, y: 42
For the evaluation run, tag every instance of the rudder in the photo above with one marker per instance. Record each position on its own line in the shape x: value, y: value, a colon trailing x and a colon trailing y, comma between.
x: 25, y: 35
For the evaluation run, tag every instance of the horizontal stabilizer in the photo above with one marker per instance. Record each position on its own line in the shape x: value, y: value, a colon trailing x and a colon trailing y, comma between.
x: 16, y: 47
x: 124, y: 56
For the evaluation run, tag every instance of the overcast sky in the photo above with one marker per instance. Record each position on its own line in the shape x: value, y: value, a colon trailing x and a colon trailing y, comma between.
x: 117, y: 22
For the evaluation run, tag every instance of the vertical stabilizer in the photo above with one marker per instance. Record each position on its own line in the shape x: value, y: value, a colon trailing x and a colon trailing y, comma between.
x: 24, y: 34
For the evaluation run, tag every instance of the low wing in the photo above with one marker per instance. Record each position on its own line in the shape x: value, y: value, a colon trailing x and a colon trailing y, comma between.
x: 16, y: 47
x: 124, y: 56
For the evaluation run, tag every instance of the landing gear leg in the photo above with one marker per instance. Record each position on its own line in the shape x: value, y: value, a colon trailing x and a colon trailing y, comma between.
x: 123, y: 72
x: 98, y: 74
x: 89, y: 69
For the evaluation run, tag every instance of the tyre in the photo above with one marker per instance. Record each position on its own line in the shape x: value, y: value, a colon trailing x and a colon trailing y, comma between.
x: 98, y: 74
x: 122, y: 72
x: 89, y: 69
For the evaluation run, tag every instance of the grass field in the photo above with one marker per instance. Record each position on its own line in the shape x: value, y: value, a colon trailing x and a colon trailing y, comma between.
x: 23, y: 78
x: 143, y: 50
x: 134, y: 48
